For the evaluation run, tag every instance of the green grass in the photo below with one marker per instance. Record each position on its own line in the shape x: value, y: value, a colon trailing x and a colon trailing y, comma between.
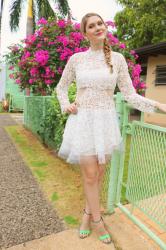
x: 54, y: 197
x: 40, y: 164
x: 71, y: 220
x: 40, y: 174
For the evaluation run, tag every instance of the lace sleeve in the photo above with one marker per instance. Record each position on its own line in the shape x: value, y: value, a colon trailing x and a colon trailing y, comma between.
x: 68, y: 76
x: 126, y: 87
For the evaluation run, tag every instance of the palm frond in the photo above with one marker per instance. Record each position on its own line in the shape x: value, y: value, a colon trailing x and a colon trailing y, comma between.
x: 64, y: 8
x: 15, y: 13
x: 1, y: 6
x: 44, y: 9
x: 1, y: 10
x: 34, y: 15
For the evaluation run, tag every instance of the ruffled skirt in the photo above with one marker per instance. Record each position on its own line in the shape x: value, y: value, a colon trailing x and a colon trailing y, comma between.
x: 91, y: 132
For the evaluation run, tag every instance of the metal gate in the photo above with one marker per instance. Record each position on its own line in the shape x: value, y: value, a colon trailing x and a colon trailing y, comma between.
x: 145, y: 184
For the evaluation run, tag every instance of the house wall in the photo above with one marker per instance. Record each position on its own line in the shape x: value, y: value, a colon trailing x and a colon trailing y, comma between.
x: 2, y: 81
x: 11, y: 87
x: 157, y: 93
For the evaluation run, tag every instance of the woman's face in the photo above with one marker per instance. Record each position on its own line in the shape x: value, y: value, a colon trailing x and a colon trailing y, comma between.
x: 96, y: 30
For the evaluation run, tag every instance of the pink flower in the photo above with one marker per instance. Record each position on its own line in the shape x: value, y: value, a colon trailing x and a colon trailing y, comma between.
x: 39, y: 32
x: 48, y: 73
x: 39, y: 45
x: 113, y: 39
x: 11, y: 68
x: 122, y: 46
x: 61, y: 23
x: 132, y: 52
x: 42, y: 56
x: 59, y: 49
x: 63, y: 39
x: 51, y: 43
x: 60, y: 70
x: 48, y: 81
x: 66, y: 54
x: 77, y: 26
x: 30, y: 39
x: 18, y: 81
x: 142, y: 85
x: 47, y: 70
x: 42, y: 21
x: 15, y: 48
x: 31, y: 81
x: 45, y: 39
x: 11, y: 76
x: 77, y: 49
x: 34, y: 71
x: 26, y: 55
x: 130, y: 63
x: 110, y: 23
x: 77, y: 36
x: 84, y: 48
x: 136, y: 70
x: 136, y: 56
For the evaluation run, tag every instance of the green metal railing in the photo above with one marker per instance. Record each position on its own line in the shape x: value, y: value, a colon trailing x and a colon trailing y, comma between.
x: 16, y: 103
x: 35, y: 108
x: 145, y: 185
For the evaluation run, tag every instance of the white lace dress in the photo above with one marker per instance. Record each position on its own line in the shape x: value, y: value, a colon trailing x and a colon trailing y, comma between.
x: 94, y: 130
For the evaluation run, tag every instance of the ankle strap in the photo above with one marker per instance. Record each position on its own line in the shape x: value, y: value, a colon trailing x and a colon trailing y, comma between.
x: 86, y: 212
x: 98, y: 220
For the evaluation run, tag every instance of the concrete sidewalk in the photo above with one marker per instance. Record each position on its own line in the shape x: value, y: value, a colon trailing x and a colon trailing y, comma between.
x: 125, y: 235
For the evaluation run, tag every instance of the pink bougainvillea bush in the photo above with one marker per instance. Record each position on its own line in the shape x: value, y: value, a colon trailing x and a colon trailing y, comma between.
x: 38, y: 62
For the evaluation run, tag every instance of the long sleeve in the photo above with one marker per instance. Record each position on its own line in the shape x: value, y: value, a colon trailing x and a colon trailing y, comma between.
x: 126, y: 87
x: 68, y: 76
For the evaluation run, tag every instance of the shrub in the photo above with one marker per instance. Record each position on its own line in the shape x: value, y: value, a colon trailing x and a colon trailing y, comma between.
x: 37, y: 63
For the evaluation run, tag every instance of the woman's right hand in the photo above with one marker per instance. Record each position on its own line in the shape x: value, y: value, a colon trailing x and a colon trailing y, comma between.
x: 72, y: 108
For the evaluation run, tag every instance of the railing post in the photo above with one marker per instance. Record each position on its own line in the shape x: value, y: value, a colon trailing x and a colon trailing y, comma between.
x: 25, y: 111
x: 126, y: 111
x: 115, y: 160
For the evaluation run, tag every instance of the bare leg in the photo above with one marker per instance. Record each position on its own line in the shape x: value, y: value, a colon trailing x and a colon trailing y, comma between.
x: 100, y: 180
x: 101, y: 169
x: 90, y: 174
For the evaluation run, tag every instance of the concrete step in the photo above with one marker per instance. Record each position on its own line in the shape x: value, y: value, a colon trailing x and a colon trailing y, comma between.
x: 125, y: 237
x: 66, y: 240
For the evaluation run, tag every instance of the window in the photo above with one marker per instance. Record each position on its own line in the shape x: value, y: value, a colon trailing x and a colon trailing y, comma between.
x: 160, y: 75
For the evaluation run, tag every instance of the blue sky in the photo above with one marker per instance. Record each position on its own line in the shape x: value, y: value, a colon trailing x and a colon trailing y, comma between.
x: 106, y: 8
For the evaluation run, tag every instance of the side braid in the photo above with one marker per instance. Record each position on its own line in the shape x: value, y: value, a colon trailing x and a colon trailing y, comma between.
x: 107, y: 54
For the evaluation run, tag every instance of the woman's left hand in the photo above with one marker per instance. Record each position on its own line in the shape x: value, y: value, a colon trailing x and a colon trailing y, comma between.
x: 161, y: 106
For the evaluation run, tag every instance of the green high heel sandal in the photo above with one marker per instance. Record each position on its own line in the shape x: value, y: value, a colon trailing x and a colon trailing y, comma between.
x: 104, y: 236
x: 84, y: 233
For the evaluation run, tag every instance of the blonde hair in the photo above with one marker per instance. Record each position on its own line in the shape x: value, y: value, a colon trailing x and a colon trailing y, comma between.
x: 106, y: 48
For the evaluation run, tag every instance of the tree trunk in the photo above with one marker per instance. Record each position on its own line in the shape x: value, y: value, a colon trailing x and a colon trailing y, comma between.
x: 29, y: 26
x: 29, y: 31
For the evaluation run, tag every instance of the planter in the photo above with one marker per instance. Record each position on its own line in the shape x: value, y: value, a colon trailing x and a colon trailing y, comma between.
x: 5, y: 105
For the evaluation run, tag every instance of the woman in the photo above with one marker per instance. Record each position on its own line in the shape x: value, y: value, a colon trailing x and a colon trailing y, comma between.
x: 92, y: 131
